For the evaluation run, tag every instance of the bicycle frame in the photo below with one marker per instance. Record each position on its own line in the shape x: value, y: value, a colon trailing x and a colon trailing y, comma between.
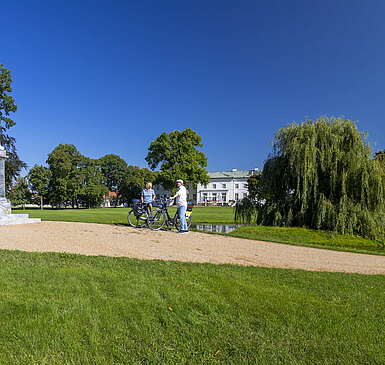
x: 170, y: 221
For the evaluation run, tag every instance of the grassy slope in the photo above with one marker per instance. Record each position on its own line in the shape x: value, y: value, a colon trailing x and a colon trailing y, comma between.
x: 308, y: 237
x: 68, y: 309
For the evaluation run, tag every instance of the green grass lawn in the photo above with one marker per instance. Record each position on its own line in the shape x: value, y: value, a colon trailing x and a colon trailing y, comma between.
x: 308, y: 237
x: 119, y: 215
x: 69, y: 309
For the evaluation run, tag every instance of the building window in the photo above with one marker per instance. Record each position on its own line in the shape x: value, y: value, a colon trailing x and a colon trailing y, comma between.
x: 224, y: 197
x: 214, y: 197
x: 245, y: 186
x: 236, y: 196
x: 224, y: 186
x: 214, y: 186
x: 205, y: 197
x: 205, y: 186
x: 236, y: 186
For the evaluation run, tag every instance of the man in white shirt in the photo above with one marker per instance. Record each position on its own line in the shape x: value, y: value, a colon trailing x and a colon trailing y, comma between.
x: 181, y: 203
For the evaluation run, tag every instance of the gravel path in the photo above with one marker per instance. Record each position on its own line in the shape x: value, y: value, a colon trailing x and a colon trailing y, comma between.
x: 110, y: 240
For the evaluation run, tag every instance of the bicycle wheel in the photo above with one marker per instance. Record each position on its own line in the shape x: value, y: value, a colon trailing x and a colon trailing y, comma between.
x: 156, y: 220
x: 137, y: 221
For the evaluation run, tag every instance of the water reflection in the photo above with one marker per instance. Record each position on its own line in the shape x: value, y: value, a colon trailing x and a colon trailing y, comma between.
x: 216, y: 228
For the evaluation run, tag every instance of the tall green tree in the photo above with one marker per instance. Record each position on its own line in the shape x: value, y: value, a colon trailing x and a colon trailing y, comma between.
x: 20, y: 193
x: 92, y: 189
x: 177, y: 155
x: 39, y: 178
x: 13, y: 165
x: 75, y: 180
x: 254, y: 186
x: 248, y: 208
x: 114, y: 170
x: 134, y: 181
x: 321, y: 175
x: 64, y: 163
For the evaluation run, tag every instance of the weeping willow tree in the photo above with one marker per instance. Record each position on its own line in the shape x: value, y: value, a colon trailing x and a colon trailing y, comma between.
x: 320, y: 175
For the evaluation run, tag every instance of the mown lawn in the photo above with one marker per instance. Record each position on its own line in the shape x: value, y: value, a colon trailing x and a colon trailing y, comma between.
x: 309, y: 237
x: 119, y: 215
x: 69, y: 309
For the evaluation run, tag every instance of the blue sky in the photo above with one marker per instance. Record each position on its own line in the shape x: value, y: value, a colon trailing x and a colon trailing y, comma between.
x: 109, y: 77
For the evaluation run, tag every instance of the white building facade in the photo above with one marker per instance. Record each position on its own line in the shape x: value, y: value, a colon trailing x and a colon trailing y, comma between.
x: 224, y: 188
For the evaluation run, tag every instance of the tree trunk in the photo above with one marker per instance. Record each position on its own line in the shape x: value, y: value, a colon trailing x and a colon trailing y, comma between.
x: 41, y: 202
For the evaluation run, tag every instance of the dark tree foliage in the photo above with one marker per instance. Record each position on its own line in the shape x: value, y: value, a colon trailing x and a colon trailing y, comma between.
x: 321, y: 175
x: 177, y: 156
x: 92, y: 189
x: 134, y: 182
x: 78, y: 181
x: 13, y: 165
x: 75, y: 179
x: 64, y: 187
x: 7, y: 103
x: 20, y: 193
x: 114, y: 170
x: 39, y: 178
x: 254, y: 185
x: 247, y: 209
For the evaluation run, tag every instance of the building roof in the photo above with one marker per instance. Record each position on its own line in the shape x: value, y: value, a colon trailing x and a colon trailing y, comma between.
x: 231, y: 174
x: 110, y: 194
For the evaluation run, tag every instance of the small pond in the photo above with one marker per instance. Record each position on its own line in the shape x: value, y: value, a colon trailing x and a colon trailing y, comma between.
x: 215, y: 227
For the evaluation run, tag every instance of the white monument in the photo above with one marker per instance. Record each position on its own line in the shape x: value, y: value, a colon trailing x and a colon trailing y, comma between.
x: 6, y: 218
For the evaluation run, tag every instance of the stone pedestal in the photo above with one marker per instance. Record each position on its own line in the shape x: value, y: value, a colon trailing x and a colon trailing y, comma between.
x: 5, y: 207
x: 6, y: 218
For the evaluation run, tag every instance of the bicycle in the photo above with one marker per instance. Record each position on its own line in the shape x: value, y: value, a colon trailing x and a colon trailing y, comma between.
x: 138, y: 215
x: 160, y: 216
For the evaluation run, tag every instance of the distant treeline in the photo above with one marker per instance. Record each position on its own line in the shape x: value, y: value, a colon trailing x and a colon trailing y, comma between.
x: 72, y: 179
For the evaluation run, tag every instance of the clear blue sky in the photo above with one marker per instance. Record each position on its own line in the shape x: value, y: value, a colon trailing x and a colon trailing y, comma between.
x: 110, y: 76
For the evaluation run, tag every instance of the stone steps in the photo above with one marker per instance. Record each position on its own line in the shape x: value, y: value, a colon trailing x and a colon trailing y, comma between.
x: 10, y: 219
x: 20, y: 215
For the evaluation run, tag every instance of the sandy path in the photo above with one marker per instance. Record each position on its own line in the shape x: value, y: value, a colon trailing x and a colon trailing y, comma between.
x: 109, y: 240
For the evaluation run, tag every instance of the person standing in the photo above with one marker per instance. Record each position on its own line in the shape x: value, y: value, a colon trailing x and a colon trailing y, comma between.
x: 181, y: 203
x: 148, y: 195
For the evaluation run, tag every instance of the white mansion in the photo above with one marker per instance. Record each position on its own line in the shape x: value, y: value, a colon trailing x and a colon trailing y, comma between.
x: 224, y: 188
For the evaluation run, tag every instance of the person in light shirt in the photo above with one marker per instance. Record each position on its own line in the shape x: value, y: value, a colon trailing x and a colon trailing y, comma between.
x: 148, y: 195
x: 181, y: 203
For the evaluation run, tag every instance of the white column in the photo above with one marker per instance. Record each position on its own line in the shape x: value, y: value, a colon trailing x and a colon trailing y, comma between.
x: 5, y: 205
x: 2, y: 177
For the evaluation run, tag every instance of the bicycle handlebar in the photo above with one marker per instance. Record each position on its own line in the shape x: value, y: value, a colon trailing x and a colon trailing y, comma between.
x: 164, y: 201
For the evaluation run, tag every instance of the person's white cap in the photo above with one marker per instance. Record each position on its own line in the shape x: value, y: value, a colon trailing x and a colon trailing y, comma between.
x: 179, y: 181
